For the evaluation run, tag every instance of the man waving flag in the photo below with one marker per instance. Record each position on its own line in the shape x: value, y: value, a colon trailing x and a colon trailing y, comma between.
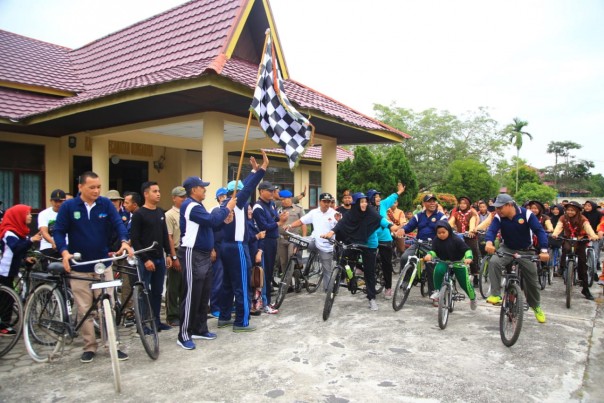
x: 277, y: 116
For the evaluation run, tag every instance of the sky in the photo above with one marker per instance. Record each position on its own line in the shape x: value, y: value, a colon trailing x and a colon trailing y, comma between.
x: 539, y: 60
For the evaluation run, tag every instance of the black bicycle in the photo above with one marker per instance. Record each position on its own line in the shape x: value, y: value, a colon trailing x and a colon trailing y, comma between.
x: 411, y: 274
x: 11, y: 319
x: 512, y: 303
x: 448, y: 292
x: 571, y: 262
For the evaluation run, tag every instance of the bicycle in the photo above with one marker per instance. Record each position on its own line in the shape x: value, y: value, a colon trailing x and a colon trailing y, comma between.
x: 571, y: 262
x: 11, y: 318
x: 48, y: 321
x: 512, y: 302
x: 311, y: 276
x: 448, y: 292
x: 411, y: 273
x: 591, y: 264
x: 344, y: 273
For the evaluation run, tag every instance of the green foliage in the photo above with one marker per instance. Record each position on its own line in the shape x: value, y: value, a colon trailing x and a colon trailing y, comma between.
x: 438, y: 138
x: 469, y: 178
x: 595, y: 185
x: 535, y: 191
x: 380, y: 171
x: 447, y: 200
x: 526, y: 175
x: 515, y: 133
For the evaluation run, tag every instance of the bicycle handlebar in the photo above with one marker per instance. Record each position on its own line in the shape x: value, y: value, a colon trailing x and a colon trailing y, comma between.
x: 575, y: 239
x: 113, y: 258
x: 533, y: 258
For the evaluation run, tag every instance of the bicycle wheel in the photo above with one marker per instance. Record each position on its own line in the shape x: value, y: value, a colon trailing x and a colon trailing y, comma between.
x: 403, y: 286
x: 109, y: 327
x: 44, y: 325
x: 313, y: 273
x: 542, y: 273
x: 591, y: 266
x: 145, y: 322
x: 396, y: 259
x: 570, y: 276
x: 332, y: 291
x: 443, y: 305
x: 284, y: 283
x: 11, y: 318
x: 510, y: 316
x: 483, y: 278
x: 423, y: 281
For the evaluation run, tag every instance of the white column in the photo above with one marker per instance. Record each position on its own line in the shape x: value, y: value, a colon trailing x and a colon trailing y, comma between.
x: 329, y: 167
x: 100, y: 161
x: 212, y: 160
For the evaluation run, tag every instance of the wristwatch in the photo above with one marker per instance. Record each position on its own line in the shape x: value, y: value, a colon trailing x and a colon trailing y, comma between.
x: 543, y: 251
x: 174, y: 257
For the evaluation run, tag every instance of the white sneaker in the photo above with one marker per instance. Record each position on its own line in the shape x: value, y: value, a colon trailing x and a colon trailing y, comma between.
x: 388, y: 293
x: 435, y: 295
x: 473, y: 304
x: 601, y: 281
x: 270, y: 310
x: 373, y: 305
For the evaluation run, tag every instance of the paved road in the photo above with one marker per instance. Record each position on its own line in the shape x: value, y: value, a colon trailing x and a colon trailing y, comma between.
x: 356, y: 356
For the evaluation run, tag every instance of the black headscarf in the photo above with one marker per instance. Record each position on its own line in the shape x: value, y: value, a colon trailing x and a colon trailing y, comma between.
x: 453, y: 248
x: 593, y: 216
x: 553, y: 217
x: 357, y: 225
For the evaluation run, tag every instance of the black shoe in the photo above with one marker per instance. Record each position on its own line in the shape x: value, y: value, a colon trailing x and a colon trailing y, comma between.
x: 122, y: 356
x: 475, y: 283
x: 587, y: 294
x: 87, y: 356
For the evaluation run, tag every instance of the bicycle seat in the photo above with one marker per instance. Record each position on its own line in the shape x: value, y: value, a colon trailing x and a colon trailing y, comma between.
x: 56, y: 268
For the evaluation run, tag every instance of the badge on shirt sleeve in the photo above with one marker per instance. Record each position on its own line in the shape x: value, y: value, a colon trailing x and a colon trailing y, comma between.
x: 76, y: 215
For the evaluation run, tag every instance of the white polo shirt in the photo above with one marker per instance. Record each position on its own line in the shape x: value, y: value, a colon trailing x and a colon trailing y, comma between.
x: 322, y: 223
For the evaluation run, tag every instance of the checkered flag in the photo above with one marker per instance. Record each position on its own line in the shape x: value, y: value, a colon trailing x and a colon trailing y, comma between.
x: 277, y: 116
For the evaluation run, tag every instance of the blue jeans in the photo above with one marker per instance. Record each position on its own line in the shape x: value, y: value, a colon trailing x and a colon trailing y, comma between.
x: 154, y: 282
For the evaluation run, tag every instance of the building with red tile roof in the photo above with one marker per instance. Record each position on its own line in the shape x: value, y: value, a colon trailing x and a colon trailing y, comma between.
x: 174, y: 88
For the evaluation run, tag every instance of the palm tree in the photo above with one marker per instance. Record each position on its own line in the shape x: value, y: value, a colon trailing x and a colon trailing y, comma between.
x: 514, y: 130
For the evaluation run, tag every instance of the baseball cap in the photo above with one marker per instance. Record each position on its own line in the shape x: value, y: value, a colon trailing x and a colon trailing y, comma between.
x: 179, y: 191
x: 221, y: 192
x: 266, y: 185
x: 231, y: 186
x: 326, y: 196
x: 503, y: 199
x: 285, y: 194
x: 57, y: 194
x: 429, y: 197
x: 112, y: 195
x: 358, y: 195
x: 194, y: 181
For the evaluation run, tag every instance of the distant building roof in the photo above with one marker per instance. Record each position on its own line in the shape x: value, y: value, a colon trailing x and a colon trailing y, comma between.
x: 316, y: 153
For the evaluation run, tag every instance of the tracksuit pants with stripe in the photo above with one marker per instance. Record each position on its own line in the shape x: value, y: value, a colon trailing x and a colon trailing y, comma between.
x: 197, y: 284
x: 236, y: 264
x: 269, y: 255
x: 217, y: 274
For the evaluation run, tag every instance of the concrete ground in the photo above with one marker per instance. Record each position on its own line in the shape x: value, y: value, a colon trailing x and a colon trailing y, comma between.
x: 356, y: 356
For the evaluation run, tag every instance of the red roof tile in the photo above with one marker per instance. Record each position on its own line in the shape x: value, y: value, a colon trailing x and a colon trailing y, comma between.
x: 177, y: 44
x: 315, y: 153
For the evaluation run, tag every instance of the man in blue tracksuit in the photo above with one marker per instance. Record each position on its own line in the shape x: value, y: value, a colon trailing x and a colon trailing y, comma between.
x: 197, y: 242
x: 384, y: 235
x: 267, y: 218
x: 217, y: 267
x: 235, y: 255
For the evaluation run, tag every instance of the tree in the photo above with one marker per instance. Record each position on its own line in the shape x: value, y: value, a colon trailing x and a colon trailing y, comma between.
x: 522, y: 175
x: 535, y: 191
x: 438, y: 138
x: 561, y: 149
x: 515, y: 133
x: 469, y: 178
x: 378, y: 171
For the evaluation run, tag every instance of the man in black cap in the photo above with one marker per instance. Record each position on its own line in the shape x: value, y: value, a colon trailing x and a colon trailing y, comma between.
x: 267, y: 218
x: 46, y: 223
x: 517, y: 226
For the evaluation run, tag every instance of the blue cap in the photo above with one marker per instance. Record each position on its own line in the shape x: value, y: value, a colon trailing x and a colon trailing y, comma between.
x: 285, y: 194
x: 231, y: 186
x: 358, y: 195
x: 221, y: 192
x: 194, y: 181
x: 371, y: 194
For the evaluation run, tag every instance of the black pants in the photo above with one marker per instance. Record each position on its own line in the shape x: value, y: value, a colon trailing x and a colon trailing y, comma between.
x: 385, y: 255
x: 197, y: 284
x: 369, y: 256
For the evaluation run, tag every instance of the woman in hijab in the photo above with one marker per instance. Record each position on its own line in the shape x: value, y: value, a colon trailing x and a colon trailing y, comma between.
x: 556, y: 212
x: 15, y: 243
x: 593, y: 215
x: 447, y: 246
x: 360, y: 225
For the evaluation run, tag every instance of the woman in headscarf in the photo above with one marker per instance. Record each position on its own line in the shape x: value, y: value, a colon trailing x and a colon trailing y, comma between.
x: 464, y: 220
x: 574, y: 225
x: 360, y: 225
x: 556, y: 212
x: 593, y: 215
x: 447, y: 246
x: 15, y: 243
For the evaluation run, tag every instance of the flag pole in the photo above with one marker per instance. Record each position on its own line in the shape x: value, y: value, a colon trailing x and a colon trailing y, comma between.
x: 249, y: 119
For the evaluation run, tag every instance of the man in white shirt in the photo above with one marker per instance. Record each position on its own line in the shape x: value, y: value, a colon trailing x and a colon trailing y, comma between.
x: 46, y: 223
x: 323, y: 220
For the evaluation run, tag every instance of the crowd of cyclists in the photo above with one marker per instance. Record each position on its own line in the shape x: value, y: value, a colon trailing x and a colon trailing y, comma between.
x: 209, y: 255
